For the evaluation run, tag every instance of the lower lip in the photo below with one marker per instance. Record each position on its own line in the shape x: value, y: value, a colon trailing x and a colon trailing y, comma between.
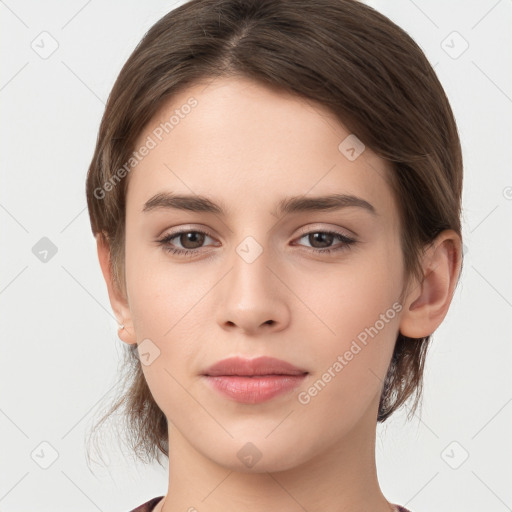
x: 254, y: 390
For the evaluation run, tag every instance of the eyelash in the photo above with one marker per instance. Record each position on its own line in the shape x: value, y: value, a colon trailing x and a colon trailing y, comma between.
x: 164, y: 242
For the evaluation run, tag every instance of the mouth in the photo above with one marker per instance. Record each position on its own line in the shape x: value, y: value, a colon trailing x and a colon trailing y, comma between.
x: 253, y: 381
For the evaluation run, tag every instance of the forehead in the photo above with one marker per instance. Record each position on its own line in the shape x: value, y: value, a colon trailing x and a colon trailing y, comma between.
x: 251, y: 145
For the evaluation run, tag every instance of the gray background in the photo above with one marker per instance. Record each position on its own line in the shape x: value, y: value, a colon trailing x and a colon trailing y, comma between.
x: 59, y: 346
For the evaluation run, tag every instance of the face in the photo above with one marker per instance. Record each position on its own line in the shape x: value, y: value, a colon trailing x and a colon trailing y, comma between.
x: 270, y: 270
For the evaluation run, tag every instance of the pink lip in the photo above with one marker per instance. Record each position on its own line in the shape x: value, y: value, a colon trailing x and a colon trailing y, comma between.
x: 254, y: 380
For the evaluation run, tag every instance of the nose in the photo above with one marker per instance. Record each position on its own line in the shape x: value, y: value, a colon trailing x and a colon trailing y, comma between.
x: 252, y: 297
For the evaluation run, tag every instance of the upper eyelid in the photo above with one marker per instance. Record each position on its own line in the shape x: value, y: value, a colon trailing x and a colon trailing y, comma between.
x: 339, y: 231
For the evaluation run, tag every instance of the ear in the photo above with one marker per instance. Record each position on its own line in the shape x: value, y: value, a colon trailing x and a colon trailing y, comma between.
x: 118, y: 301
x: 427, y: 302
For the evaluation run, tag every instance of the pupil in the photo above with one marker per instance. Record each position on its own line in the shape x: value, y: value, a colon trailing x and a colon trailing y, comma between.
x: 315, y: 237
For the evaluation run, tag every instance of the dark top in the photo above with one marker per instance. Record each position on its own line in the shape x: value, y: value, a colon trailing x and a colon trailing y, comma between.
x: 151, y: 504
x: 148, y: 506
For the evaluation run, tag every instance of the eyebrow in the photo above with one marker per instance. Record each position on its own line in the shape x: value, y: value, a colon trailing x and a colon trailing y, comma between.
x: 288, y: 205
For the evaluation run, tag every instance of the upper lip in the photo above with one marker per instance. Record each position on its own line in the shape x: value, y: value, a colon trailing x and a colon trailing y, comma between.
x: 258, y: 366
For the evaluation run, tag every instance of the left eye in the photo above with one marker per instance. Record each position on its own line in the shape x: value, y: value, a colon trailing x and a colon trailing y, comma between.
x: 197, y: 238
x: 327, y: 237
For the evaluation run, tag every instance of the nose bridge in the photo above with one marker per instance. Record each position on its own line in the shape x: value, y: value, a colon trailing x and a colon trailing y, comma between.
x: 250, y: 295
x: 250, y: 261
x: 252, y: 245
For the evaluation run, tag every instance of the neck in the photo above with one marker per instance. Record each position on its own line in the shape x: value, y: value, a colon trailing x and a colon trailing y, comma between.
x: 341, y: 479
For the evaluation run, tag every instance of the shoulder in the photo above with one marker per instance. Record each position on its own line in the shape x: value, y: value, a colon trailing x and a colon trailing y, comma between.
x: 148, y: 506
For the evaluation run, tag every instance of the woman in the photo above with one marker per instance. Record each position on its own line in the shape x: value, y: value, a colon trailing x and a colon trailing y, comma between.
x: 275, y: 194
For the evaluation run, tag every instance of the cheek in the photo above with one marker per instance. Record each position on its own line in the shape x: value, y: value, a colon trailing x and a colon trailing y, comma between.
x: 165, y: 304
x: 344, y: 299
x: 358, y: 320
x: 161, y: 293
x: 350, y: 367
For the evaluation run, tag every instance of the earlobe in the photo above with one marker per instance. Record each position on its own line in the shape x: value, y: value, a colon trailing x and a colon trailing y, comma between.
x: 117, y: 299
x: 427, y: 303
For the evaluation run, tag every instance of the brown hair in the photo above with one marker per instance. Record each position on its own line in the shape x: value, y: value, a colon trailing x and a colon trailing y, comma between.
x: 340, y: 53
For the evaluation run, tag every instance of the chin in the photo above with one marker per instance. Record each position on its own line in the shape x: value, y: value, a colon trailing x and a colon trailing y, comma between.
x: 257, y: 456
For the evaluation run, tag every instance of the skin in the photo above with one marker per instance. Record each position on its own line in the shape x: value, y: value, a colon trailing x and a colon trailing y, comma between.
x: 246, y: 146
